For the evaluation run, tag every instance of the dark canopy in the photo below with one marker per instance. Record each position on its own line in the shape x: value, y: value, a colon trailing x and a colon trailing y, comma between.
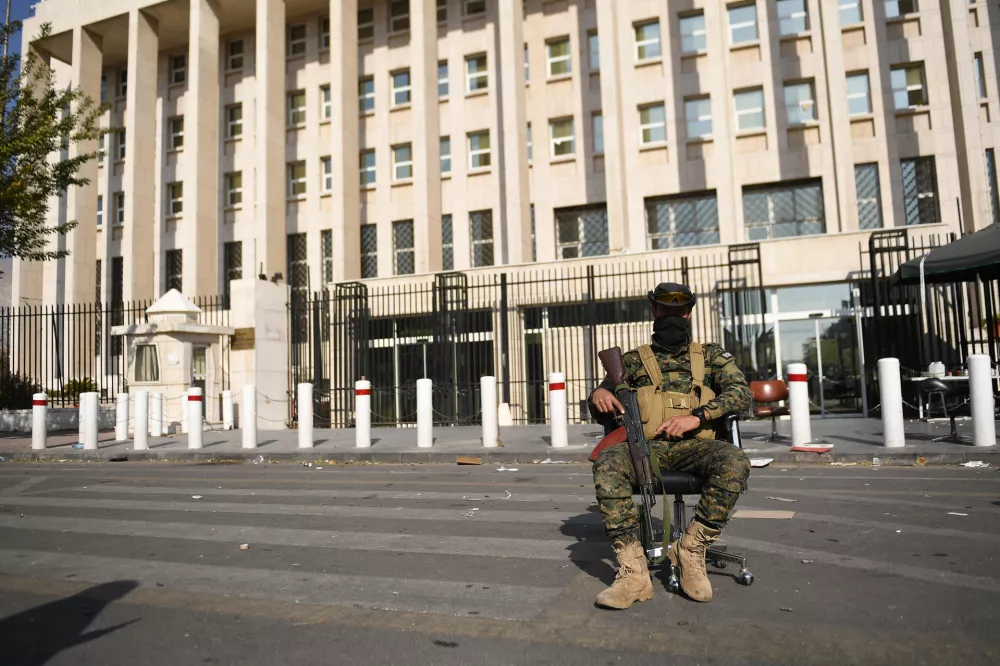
x: 958, y: 261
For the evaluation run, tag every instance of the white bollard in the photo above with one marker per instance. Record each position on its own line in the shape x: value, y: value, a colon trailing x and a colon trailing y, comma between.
x: 891, y: 397
x: 88, y: 416
x: 981, y: 396
x: 425, y: 413
x: 488, y: 391
x: 227, y: 410
x: 362, y: 414
x: 39, y: 427
x: 141, y: 428
x: 798, y: 403
x: 121, y: 418
x: 156, y: 414
x: 248, y: 417
x: 305, y: 415
x: 557, y: 409
x: 193, y: 411
x: 184, y: 412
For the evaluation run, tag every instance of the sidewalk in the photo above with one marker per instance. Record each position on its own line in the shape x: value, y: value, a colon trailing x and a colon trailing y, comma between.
x: 854, y: 440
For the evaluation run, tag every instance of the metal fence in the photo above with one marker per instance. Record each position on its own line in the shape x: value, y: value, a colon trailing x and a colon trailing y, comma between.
x: 518, y: 325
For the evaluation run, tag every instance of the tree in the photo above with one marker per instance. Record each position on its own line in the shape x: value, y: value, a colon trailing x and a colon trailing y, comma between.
x: 39, y: 122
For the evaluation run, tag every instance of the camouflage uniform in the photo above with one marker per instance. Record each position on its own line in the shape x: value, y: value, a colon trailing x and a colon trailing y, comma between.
x: 723, y: 466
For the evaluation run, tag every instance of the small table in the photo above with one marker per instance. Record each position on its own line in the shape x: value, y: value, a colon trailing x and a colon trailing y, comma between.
x: 946, y: 378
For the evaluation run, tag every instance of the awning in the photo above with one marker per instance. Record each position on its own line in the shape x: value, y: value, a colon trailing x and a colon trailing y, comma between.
x: 977, y: 254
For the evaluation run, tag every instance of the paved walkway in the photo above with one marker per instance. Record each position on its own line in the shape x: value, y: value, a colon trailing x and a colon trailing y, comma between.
x: 853, y: 439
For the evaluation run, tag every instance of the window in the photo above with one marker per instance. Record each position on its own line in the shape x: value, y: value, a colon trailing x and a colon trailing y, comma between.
x: 402, y: 247
x: 594, y: 50
x: 367, y: 167
x: 400, y: 87
x: 326, y: 247
x: 326, y: 101
x: 104, y: 87
x: 476, y: 76
x: 850, y: 12
x: 369, y: 251
x: 442, y: 11
x: 647, y: 40
x: 561, y: 137
x: 177, y: 132
x: 123, y: 83
x: 991, y: 183
x: 445, y: 145
x: 147, y: 365
x: 859, y: 101
x: 534, y: 253
x: 121, y: 144
x: 742, y: 23
x: 298, y: 267
x: 366, y: 95
x: 100, y: 210
x: 296, y: 40
x: 581, y: 232
x: 800, y: 104
x: 652, y: 124
x: 908, y: 89
x: 783, y: 209
x: 530, y: 147
x: 296, y: 179
x: 443, y: 78
x: 447, y: 244
x: 980, y: 76
x: 234, y: 121
x: 297, y: 108
x: 684, y: 220
x: 920, y: 201
x: 698, y: 114
x: 792, y: 17
x: 234, y: 188
x: 693, y: 37
x: 481, y: 231
x: 120, y: 208
x: 866, y: 186
x: 175, y: 198
x: 527, y: 66
x: 896, y: 8
x: 232, y: 260
x: 402, y: 162
x: 557, y: 57
x: 117, y: 280
x: 235, y: 55
x: 178, y: 68
x: 324, y: 33
x: 174, y: 270
x: 366, y: 24
x: 479, y: 149
x: 597, y: 128
x: 473, y: 7
x: 326, y: 166
x: 399, y: 15
x: 749, y: 109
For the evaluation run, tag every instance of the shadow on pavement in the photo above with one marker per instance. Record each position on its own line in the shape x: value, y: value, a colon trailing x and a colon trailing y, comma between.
x: 591, y: 545
x: 34, y: 636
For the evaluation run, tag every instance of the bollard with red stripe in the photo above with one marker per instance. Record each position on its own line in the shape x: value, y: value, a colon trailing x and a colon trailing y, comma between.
x: 194, y: 420
x: 798, y: 403
x: 362, y: 414
x: 39, y: 427
x: 557, y: 409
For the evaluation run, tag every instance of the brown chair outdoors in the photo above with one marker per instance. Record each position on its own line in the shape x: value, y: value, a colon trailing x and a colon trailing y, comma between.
x: 770, y: 392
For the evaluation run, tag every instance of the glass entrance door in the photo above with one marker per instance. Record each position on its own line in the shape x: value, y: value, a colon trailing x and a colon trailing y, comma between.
x: 828, y: 348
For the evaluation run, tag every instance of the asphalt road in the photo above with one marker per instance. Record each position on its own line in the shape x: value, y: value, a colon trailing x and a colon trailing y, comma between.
x: 440, y: 564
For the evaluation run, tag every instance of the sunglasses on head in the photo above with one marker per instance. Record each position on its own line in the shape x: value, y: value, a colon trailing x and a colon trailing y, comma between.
x: 673, y: 298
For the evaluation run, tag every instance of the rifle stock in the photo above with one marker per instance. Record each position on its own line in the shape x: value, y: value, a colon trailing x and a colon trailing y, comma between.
x: 614, y: 364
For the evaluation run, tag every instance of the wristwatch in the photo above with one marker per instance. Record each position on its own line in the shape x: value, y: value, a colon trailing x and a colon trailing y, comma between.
x: 700, y: 413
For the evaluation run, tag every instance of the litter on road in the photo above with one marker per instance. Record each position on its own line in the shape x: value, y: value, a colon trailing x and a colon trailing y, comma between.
x: 782, y: 499
x: 975, y: 463
x: 468, y: 460
x: 761, y: 462
x: 195, y: 496
x: 501, y: 468
x: 244, y: 546
x: 956, y: 513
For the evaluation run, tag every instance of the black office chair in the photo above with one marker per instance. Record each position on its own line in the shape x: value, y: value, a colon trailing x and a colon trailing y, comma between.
x: 679, y: 484
x: 931, y: 387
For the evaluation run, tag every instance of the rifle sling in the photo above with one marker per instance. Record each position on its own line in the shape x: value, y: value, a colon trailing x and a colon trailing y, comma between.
x: 665, y: 542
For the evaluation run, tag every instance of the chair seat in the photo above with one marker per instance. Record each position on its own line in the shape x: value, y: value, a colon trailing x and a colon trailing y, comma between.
x: 765, y: 411
x: 680, y: 483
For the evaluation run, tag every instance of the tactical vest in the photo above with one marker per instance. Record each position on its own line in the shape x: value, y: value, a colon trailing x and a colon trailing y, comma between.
x: 657, y: 405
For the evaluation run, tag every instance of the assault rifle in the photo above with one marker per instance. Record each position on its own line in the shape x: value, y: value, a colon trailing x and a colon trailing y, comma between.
x: 638, y: 447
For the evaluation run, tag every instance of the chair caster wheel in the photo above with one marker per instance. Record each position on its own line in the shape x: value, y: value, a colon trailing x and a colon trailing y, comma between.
x: 720, y: 564
x: 673, y: 585
x: 745, y: 578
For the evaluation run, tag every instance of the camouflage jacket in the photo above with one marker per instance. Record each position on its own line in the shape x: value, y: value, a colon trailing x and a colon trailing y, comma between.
x: 732, y: 394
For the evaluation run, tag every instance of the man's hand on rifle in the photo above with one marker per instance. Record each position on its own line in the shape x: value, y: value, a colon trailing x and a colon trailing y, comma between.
x: 676, y: 426
x: 605, y: 401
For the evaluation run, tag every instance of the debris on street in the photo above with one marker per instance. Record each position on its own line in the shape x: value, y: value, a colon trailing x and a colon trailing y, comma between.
x: 782, y: 499
x: 761, y: 462
x: 195, y: 496
x: 975, y: 463
x: 468, y: 460
x: 502, y: 468
x: 244, y: 546
x: 956, y: 513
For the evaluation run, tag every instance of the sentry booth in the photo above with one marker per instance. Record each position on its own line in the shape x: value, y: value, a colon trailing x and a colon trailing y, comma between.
x: 174, y: 352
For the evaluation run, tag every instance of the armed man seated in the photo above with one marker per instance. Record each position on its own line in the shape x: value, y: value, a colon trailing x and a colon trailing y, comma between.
x: 682, y: 386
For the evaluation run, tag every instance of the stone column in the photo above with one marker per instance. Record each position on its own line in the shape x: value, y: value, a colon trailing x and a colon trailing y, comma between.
x: 614, y: 140
x: 344, y: 148
x: 269, y: 213
x: 199, y: 230
x: 426, y: 137
x: 516, y: 211
x: 843, y: 211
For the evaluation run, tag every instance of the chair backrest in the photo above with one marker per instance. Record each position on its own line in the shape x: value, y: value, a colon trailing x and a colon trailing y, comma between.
x: 770, y: 390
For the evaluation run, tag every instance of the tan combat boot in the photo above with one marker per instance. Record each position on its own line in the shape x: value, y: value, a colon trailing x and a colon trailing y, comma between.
x: 688, y: 555
x: 632, y: 582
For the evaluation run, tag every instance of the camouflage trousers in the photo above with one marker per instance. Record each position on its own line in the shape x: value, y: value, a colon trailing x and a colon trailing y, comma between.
x: 723, y: 467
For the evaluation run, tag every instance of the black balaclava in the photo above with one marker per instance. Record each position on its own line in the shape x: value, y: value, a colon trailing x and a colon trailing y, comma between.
x: 671, y: 332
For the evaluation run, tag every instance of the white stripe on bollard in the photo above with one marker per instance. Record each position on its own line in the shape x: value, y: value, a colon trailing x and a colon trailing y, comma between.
x: 141, y: 428
x: 425, y: 413
x: 156, y: 414
x: 88, y: 416
x: 981, y: 396
x: 304, y: 412
x: 248, y: 416
x: 193, y: 411
x: 557, y: 409
x: 891, y: 396
x: 184, y: 412
x: 798, y: 403
x: 227, y: 410
x: 362, y: 414
x: 121, y: 418
x: 39, y: 427
x: 488, y: 392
